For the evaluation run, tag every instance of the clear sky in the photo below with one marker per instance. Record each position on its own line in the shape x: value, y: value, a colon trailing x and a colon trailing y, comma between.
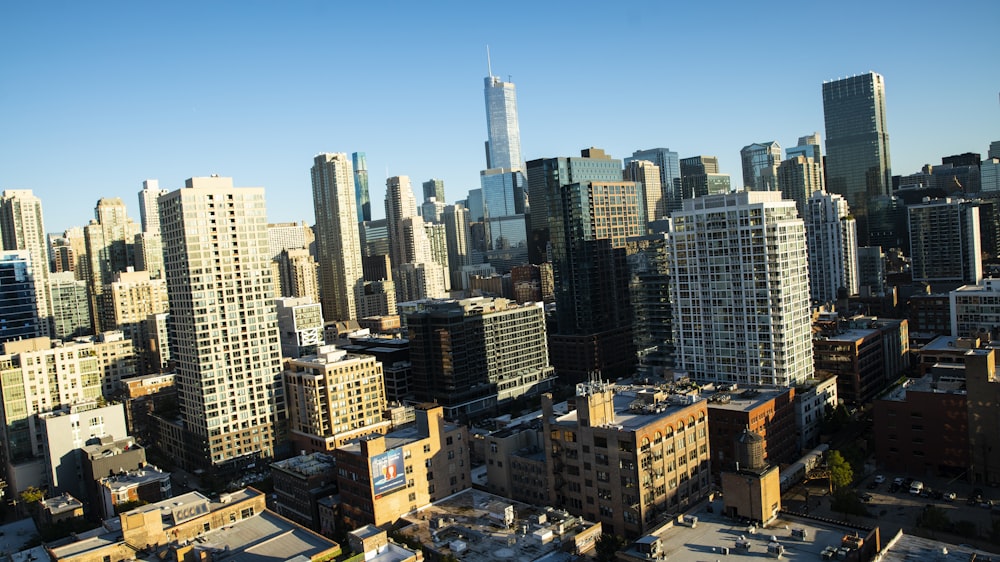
x: 97, y: 96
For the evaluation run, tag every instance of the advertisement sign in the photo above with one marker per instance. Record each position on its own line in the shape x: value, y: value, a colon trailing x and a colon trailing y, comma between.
x: 388, y: 473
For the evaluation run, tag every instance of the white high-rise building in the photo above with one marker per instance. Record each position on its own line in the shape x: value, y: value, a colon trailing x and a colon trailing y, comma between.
x: 22, y: 228
x: 338, y: 241
x: 503, y: 147
x: 831, y: 234
x: 149, y: 213
x: 399, y: 204
x: 740, y: 283
x: 226, y: 344
x: 945, y: 243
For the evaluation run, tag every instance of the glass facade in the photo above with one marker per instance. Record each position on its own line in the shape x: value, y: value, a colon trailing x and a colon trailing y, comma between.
x: 503, y: 147
x: 670, y: 173
x: 857, y: 144
x: 361, y: 186
x: 18, y: 313
x: 756, y: 158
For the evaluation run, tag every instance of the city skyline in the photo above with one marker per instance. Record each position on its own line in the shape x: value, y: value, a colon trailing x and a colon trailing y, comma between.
x: 167, y: 93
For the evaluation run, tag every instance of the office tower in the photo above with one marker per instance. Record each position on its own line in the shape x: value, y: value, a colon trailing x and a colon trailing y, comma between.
x: 69, y: 251
x: 589, y: 222
x: 871, y: 269
x: 334, y: 396
x: 19, y: 314
x: 110, y: 240
x: 149, y: 254
x: 375, y: 238
x: 647, y: 176
x: 364, y: 204
x: 338, y: 241
x: 628, y: 476
x: 149, y: 214
x: 503, y: 145
x: 297, y: 274
x: 809, y: 147
x: 475, y: 355
x: 225, y: 341
x: 886, y: 223
x: 504, y: 218
x: 857, y: 144
x: 546, y: 176
x: 415, y: 273
x: 129, y: 301
x: 379, y: 298
x: 456, y: 224
x: 670, y: 174
x: 300, y: 325
x: 434, y: 188
x: 798, y: 178
x: 740, y: 283
x: 700, y: 176
x: 756, y: 158
x: 649, y: 292
x: 945, y: 243
x: 831, y: 238
x: 989, y: 225
x: 431, y: 209
x: 437, y: 238
x: 989, y: 175
x: 994, y: 151
x: 475, y: 205
x: 399, y: 205
x: 22, y: 228
x: 70, y: 306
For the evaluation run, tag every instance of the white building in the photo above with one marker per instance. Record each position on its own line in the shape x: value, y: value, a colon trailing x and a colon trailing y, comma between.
x: 338, y: 241
x: 300, y: 325
x: 975, y: 310
x: 832, y: 239
x: 740, y: 283
x: 226, y: 349
x: 945, y: 245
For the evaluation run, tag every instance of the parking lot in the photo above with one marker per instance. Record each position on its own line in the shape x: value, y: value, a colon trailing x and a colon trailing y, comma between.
x: 892, y: 510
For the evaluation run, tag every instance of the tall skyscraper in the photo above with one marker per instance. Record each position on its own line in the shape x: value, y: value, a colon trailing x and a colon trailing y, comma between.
x: 503, y: 146
x: 757, y: 158
x: 647, y: 175
x: 415, y: 273
x: 832, y: 239
x: 670, y: 173
x: 545, y: 178
x: 110, y: 240
x: 22, y: 228
x: 456, y: 224
x: 338, y: 241
x: 19, y: 317
x: 503, y: 218
x: 945, y: 246
x: 226, y: 344
x: 700, y: 176
x: 399, y: 205
x: 434, y: 188
x: 740, y: 282
x: 589, y: 222
x: 149, y: 213
x: 798, y: 178
x: 809, y: 147
x: 857, y: 143
x: 361, y: 186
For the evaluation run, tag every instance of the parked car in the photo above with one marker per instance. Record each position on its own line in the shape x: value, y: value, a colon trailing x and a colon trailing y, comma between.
x: 879, y: 478
x: 866, y: 497
x: 916, y: 487
x: 950, y: 497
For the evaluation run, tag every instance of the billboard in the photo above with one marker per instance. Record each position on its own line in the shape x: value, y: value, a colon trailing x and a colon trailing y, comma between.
x: 388, y: 473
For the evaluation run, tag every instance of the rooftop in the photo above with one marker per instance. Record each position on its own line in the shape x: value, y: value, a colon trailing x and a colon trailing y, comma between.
x: 147, y: 474
x: 713, y: 532
x: 739, y: 399
x: 461, y: 525
x: 852, y: 335
x: 263, y: 538
x: 307, y: 465
x: 638, y: 406
x: 908, y: 547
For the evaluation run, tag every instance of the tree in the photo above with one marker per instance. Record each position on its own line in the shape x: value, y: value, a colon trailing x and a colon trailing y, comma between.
x: 607, y: 546
x: 31, y: 495
x: 841, y: 473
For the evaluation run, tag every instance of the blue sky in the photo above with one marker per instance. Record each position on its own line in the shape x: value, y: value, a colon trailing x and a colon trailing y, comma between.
x: 96, y: 97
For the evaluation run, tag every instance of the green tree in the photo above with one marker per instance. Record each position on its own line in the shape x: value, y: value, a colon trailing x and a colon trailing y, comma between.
x: 607, y: 546
x: 32, y: 495
x: 841, y: 473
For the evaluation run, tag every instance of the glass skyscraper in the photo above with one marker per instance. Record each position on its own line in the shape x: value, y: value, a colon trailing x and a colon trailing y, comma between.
x: 857, y: 143
x: 757, y: 158
x: 503, y: 147
x: 361, y: 186
x: 670, y: 173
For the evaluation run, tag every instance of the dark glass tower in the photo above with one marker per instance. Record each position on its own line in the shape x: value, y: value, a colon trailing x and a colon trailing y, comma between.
x: 857, y: 144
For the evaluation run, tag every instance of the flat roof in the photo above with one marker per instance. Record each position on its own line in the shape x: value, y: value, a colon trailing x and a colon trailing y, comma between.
x: 13, y: 536
x: 713, y: 531
x: 744, y: 399
x: 909, y: 547
x: 264, y: 538
x: 851, y: 335
x: 627, y: 419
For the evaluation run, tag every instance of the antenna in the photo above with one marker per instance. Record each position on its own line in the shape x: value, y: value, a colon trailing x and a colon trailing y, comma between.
x: 489, y: 65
